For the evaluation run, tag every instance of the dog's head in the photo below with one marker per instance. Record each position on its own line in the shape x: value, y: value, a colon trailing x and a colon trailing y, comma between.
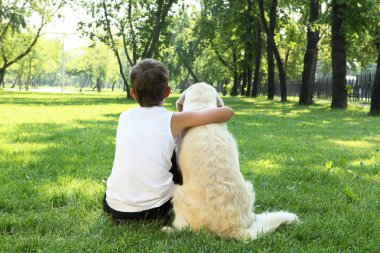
x: 199, y: 96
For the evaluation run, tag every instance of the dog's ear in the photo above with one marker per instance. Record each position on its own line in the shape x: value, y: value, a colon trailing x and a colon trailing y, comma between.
x: 219, y: 101
x: 180, y: 101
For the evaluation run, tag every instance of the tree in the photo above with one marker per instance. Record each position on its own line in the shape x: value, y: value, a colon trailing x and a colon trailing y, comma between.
x: 48, y: 61
x: 134, y: 26
x: 16, y: 37
x: 375, y: 100
x: 221, y: 25
x: 338, y: 57
x: 249, y: 44
x: 271, y: 44
x: 258, y: 45
x: 270, y: 34
x: 311, y: 56
x: 351, y: 22
x: 94, y: 66
x: 187, y: 45
x: 41, y: 66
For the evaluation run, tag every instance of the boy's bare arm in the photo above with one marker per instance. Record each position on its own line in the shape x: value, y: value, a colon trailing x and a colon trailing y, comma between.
x: 183, y: 120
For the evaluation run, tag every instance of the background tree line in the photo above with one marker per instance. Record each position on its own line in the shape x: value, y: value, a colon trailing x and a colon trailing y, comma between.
x: 21, y: 24
x: 239, y: 46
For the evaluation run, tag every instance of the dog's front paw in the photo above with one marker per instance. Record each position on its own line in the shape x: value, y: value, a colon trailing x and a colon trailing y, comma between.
x: 168, y: 229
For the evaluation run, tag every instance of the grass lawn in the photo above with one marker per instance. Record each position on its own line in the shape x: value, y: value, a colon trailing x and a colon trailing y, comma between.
x: 57, y: 151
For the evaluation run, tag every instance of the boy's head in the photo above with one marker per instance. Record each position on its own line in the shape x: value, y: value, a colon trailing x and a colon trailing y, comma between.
x: 149, y: 82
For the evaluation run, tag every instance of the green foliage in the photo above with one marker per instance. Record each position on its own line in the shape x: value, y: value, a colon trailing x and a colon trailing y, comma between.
x: 130, y: 25
x: 40, y: 66
x: 196, y: 43
x: 12, y: 14
x: 193, y: 58
x: 21, y: 24
x: 90, y: 63
x: 292, y: 44
x: 361, y: 22
x: 57, y: 152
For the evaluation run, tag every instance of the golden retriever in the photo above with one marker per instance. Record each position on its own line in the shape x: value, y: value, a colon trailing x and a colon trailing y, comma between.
x: 214, y: 195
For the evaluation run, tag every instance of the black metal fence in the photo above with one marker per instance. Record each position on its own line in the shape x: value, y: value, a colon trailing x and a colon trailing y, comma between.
x: 358, y: 87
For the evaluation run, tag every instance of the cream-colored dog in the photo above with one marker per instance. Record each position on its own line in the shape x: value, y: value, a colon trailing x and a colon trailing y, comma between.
x: 214, y: 195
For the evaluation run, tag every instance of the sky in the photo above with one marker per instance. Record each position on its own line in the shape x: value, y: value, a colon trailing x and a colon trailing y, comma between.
x: 66, y: 27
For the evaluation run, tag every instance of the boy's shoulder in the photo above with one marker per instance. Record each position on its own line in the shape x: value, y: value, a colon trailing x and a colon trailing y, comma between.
x: 130, y: 110
x: 144, y: 110
x: 125, y: 114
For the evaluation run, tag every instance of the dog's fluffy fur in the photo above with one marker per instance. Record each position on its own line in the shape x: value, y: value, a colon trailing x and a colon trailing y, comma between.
x: 214, y: 195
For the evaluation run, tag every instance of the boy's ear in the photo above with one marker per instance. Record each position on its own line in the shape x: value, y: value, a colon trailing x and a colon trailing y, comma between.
x: 180, y: 102
x: 133, y: 94
x: 167, y: 91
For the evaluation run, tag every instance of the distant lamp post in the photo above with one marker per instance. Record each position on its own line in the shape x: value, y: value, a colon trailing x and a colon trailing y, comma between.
x: 62, y: 57
x: 63, y: 61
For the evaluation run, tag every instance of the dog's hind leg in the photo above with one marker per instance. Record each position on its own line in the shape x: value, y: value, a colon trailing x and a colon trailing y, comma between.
x: 180, y: 221
x: 247, y: 234
x: 269, y: 222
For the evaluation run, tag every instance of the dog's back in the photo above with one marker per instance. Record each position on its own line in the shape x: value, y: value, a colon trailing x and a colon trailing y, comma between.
x: 216, y: 195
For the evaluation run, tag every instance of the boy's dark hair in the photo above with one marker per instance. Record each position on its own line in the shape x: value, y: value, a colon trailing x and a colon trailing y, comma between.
x: 149, y: 81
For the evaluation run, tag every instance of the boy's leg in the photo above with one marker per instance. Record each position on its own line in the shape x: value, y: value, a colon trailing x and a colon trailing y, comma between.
x: 106, y: 208
x: 162, y: 212
x: 177, y: 176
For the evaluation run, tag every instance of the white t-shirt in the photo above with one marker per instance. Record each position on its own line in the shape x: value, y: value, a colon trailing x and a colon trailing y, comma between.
x: 140, y: 177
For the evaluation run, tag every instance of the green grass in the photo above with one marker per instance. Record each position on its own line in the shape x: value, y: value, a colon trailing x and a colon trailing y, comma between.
x: 57, y: 151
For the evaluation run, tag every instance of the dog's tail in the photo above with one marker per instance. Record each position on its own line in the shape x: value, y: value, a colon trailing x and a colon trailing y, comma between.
x: 269, y: 222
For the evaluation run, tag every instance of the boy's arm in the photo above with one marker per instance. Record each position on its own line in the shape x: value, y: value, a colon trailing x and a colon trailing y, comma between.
x: 183, y: 120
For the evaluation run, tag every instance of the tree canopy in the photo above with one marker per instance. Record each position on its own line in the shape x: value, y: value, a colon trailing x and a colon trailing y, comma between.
x: 242, y: 47
x: 21, y: 26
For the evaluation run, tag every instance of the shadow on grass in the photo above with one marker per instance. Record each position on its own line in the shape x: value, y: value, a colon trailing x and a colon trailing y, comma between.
x: 26, y: 98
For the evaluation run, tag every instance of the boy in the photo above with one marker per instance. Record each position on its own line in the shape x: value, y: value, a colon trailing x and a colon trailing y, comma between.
x: 140, y: 185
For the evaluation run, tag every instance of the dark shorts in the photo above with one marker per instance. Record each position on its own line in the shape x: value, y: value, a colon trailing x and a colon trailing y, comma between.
x: 160, y: 213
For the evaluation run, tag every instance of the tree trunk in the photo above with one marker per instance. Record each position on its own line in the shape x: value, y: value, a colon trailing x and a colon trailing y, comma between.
x: 220, y: 58
x: 7, y: 63
x: 121, y: 71
x: 310, y: 58
x: 249, y: 46
x: 270, y: 41
x: 338, y: 57
x: 16, y: 81
x: 244, y: 83
x: 270, y: 59
x: 271, y: 74
x: 113, y: 85
x: 375, y: 100
x: 191, y: 72
x: 125, y: 46
x: 133, y: 34
x: 148, y: 53
x: 116, y: 52
x: 20, y: 84
x: 28, y: 79
x: 234, y: 90
x: 281, y: 73
x: 99, y: 84
x: 2, y: 74
x: 256, y: 77
x: 249, y: 80
x: 161, y: 14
